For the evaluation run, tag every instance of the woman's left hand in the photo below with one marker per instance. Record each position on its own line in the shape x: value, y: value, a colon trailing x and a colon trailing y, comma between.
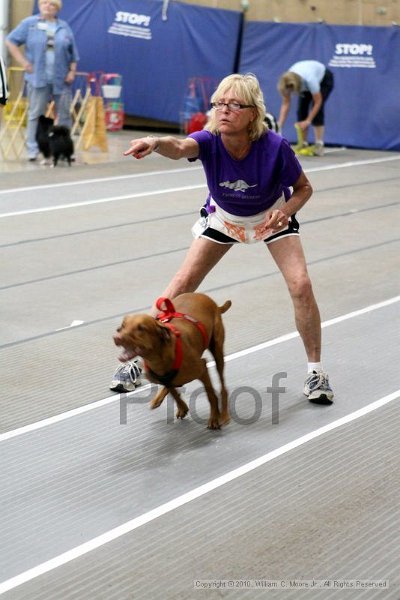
x: 274, y: 222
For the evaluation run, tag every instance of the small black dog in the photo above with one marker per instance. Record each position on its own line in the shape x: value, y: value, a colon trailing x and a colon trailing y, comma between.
x: 45, y: 124
x: 54, y: 140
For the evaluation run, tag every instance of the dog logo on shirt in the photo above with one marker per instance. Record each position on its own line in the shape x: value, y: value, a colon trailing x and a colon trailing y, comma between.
x: 238, y: 186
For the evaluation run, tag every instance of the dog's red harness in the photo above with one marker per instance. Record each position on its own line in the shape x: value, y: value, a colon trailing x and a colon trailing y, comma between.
x: 167, y: 313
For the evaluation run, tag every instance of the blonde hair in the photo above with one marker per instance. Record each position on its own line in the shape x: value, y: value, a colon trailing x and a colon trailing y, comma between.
x: 247, y: 88
x: 289, y: 82
x: 57, y: 3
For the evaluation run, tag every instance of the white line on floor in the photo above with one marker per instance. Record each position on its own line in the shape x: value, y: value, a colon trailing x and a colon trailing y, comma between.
x: 290, y: 336
x: 356, y: 163
x: 195, y: 493
x: 160, y: 191
x: 115, y: 397
x: 51, y: 186
x: 102, y: 200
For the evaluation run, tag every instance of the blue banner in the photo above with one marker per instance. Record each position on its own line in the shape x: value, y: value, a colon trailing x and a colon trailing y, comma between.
x: 155, y: 46
x: 364, y: 108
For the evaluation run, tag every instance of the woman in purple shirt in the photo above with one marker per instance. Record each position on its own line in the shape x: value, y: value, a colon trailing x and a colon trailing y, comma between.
x: 256, y: 187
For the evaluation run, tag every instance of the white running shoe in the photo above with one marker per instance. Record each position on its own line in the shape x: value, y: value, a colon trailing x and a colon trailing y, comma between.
x: 127, y: 376
x: 317, y: 388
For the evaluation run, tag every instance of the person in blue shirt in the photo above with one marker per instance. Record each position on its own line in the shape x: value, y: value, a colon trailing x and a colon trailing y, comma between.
x: 49, y: 60
x: 313, y: 83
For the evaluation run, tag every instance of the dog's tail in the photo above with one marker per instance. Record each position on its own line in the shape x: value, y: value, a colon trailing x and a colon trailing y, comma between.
x: 225, y: 307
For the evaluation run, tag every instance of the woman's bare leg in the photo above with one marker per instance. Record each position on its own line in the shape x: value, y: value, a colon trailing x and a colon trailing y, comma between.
x: 289, y: 257
x: 201, y: 258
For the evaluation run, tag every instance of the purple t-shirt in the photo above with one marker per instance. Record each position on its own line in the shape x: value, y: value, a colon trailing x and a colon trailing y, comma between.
x: 248, y: 186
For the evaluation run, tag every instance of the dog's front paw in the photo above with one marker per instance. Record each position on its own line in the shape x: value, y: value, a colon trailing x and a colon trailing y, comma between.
x: 156, y: 402
x: 213, y: 423
x: 158, y: 399
x: 182, y: 411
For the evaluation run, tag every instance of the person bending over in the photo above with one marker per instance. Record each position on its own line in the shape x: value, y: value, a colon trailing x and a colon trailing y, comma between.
x: 256, y: 187
x: 313, y: 83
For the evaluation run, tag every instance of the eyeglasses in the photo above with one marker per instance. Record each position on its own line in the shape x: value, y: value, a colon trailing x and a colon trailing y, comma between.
x: 230, y: 105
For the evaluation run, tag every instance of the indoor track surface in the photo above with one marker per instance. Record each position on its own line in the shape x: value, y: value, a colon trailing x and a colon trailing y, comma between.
x: 103, y: 499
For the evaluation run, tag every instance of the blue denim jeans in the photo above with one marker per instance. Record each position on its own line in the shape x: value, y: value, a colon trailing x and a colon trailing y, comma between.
x: 38, y: 99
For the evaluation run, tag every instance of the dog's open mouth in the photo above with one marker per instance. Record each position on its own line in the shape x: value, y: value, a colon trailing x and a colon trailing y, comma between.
x: 126, y: 353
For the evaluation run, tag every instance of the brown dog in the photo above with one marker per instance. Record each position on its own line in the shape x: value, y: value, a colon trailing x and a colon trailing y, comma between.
x: 172, y: 345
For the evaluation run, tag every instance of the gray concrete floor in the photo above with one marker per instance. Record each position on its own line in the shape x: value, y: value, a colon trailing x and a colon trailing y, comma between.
x: 102, y: 498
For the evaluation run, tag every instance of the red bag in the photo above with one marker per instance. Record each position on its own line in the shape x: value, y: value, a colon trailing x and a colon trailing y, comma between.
x: 197, y: 122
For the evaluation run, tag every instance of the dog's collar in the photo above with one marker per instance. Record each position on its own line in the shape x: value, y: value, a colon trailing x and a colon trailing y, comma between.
x: 163, y: 379
x: 168, y: 377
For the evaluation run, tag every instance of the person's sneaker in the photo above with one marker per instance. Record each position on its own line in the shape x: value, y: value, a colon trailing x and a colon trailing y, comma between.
x: 300, y: 146
x: 318, y: 149
x: 317, y: 388
x: 127, y: 377
x: 306, y: 151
